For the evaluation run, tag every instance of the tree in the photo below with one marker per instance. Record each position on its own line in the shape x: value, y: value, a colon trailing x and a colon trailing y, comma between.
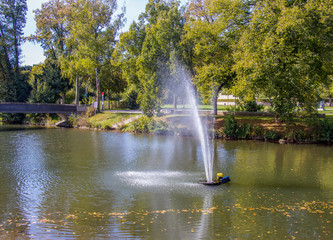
x: 160, y: 53
x: 126, y: 54
x: 285, y: 53
x: 46, y: 83
x: 212, y: 28
x: 12, y: 22
x: 151, y: 50
x: 92, y: 38
x: 51, y: 33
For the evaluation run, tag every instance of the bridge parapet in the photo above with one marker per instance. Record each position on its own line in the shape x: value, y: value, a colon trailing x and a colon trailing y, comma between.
x: 40, y: 108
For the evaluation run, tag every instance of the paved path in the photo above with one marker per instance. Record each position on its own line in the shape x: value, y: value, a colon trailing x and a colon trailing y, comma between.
x: 127, y: 121
x: 124, y: 111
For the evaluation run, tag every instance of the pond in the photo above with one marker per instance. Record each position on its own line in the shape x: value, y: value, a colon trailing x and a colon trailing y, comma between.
x: 74, y: 184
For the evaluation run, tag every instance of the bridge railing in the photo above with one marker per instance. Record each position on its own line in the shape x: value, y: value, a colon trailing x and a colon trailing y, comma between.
x: 40, y: 108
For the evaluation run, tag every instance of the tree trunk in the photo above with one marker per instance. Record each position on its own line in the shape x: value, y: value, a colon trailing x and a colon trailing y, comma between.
x: 109, y: 100
x: 97, y: 91
x: 174, y: 102
x: 215, y: 96
x: 77, y: 92
x: 62, y: 99
x: 216, y: 92
x: 78, y: 84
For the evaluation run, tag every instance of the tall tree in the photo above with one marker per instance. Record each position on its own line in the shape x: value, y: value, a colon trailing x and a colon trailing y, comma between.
x: 151, y: 52
x: 212, y: 28
x: 92, y: 37
x: 12, y: 22
x: 286, y: 53
x: 127, y: 52
x: 46, y: 84
x: 51, y: 33
x: 52, y: 27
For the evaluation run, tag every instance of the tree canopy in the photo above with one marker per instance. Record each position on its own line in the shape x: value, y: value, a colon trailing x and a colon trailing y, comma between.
x: 286, y: 53
x: 282, y: 50
x: 12, y: 22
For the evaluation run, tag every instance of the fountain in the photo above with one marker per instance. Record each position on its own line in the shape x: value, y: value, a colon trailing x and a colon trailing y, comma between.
x: 201, y: 129
x: 202, y: 132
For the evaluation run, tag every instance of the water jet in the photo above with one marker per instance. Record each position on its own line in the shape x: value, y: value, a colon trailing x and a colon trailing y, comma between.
x: 202, y: 131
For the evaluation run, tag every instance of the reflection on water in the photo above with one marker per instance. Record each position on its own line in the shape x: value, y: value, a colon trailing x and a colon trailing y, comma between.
x: 86, y: 184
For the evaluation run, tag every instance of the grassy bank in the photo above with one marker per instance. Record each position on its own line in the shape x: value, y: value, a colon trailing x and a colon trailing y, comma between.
x: 263, y: 128
x: 103, y: 120
x: 241, y: 127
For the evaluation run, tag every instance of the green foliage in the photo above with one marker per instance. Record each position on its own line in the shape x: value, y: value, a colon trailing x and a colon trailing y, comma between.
x: 132, y: 98
x: 13, y: 78
x: 73, y: 120
x: 88, y: 100
x: 90, y: 111
x: 46, y: 83
x: 299, y: 135
x: 272, y: 135
x: 212, y: 29
x: 326, y: 131
x: 284, y: 53
x: 149, y: 53
x: 233, y: 130
x: 149, y: 125
x: 252, y: 106
x: 80, y: 36
x: 256, y: 132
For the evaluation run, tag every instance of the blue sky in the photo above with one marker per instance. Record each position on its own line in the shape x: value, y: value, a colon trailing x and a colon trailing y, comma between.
x: 33, y: 53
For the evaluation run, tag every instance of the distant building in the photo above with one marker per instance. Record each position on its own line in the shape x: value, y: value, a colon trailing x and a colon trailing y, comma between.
x: 230, y: 100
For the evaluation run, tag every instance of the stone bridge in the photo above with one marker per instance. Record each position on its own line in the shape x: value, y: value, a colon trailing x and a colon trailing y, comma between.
x: 13, y: 107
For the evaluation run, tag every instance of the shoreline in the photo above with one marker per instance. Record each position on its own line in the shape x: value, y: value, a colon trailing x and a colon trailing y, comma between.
x: 180, y: 132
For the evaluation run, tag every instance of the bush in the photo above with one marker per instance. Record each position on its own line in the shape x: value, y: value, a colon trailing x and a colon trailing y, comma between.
x: 252, y: 106
x: 272, y: 135
x: 132, y: 100
x: 256, y: 132
x: 326, y: 131
x: 149, y: 125
x: 233, y: 130
x: 299, y: 135
x: 73, y: 120
x: 90, y: 111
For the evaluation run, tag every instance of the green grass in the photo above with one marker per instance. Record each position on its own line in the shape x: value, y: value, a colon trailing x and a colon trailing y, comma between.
x: 328, y: 111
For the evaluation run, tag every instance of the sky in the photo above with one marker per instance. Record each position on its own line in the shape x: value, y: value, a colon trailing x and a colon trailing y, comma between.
x: 33, y: 53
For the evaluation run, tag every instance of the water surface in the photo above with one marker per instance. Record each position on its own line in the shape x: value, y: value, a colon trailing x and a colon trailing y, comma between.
x: 74, y: 184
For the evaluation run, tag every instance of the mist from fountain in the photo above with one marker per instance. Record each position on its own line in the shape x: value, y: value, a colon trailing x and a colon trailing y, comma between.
x: 185, y: 81
x: 202, y: 132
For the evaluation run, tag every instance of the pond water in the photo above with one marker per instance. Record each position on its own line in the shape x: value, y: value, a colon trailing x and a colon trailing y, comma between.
x: 79, y: 184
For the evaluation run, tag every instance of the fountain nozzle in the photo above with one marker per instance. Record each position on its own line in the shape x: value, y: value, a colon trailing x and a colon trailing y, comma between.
x: 219, y: 179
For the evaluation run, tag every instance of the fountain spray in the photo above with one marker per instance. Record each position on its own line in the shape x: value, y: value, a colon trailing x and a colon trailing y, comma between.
x: 202, y: 133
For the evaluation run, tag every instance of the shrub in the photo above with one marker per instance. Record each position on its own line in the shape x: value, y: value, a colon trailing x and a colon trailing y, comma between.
x: 149, y: 125
x: 326, y: 131
x: 298, y: 135
x: 132, y: 98
x: 90, y: 111
x: 272, y: 135
x: 252, y: 106
x: 230, y: 127
x: 233, y: 130
x: 73, y: 120
x: 256, y: 132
